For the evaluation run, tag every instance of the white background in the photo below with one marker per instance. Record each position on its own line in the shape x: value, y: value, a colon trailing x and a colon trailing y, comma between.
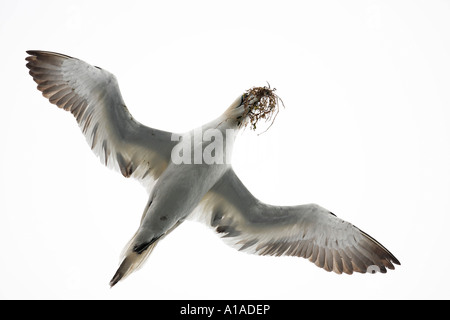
x: 365, y: 134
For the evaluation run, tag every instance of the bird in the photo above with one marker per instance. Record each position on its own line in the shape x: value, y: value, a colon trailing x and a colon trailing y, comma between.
x: 185, y: 185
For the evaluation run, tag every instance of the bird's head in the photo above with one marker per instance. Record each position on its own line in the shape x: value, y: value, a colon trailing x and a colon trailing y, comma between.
x: 255, y: 104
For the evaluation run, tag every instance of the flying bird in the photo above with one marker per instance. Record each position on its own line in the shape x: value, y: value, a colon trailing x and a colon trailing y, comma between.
x: 180, y: 183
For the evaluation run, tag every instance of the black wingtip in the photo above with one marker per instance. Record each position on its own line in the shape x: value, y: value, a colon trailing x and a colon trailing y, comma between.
x: 36, y: 53
x: 395, y: 260
x: 41, y: 53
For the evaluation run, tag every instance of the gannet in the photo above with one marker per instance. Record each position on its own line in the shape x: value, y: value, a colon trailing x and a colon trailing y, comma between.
x: 189, y: 174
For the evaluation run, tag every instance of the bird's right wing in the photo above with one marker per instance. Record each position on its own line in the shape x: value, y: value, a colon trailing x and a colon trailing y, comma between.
x: 307, y: 231
x: 92, y: 95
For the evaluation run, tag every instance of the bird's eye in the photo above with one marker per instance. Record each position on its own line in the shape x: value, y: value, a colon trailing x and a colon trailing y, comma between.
x: 244, y: 96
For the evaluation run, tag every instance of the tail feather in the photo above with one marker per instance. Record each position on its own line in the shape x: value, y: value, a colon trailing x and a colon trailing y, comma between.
x: 134, y: 257
x: 131, y: 262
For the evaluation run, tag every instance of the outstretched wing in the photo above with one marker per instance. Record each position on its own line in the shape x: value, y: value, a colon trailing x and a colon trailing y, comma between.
x: 307, y: 231
x: 92, y: 95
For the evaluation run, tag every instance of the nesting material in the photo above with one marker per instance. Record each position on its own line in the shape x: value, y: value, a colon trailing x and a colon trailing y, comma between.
x: 260, y: 103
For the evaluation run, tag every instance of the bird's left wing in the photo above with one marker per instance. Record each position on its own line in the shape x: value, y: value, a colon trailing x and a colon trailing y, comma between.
x: 307, y: 231
x: 92, y: 95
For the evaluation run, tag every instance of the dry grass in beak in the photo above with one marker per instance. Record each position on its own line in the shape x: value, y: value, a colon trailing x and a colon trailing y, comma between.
x: 259, y: 103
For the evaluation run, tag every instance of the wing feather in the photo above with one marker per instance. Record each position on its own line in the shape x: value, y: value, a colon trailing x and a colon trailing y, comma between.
x: 307, y: 231
x: 92, y: 95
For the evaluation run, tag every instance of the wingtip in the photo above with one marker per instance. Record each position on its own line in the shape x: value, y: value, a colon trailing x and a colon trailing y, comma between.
x: 30, y: 55
x: 42, y: 53
x: 393, y: 259
x: 396, y: 261
x: 34, y: 52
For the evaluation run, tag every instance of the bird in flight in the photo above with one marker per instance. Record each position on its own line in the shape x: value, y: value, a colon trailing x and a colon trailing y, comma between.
x: 191, y: 178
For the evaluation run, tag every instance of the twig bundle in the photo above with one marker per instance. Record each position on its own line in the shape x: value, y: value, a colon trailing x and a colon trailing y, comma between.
x: 260, y: 103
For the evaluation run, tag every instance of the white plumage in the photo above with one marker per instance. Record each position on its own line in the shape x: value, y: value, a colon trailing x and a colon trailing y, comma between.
x: 92, y: 95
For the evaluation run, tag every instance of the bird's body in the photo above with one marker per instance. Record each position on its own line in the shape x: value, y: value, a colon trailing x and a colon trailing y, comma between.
x: 192, y: 172
x: 181, y: 187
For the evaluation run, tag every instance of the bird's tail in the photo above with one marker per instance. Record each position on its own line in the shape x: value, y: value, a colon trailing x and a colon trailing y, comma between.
x: 131, y: 261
